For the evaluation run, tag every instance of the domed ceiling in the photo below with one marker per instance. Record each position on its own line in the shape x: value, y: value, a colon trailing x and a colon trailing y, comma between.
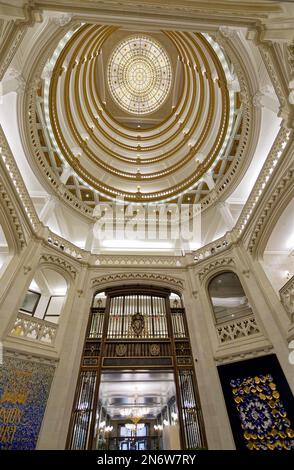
x: 138, y: 117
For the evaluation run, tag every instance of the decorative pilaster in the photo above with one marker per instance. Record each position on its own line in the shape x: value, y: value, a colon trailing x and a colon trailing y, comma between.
x: 15, y: 284
x: 268, y: 310
x: 70, y: 343
x: 217, y: 427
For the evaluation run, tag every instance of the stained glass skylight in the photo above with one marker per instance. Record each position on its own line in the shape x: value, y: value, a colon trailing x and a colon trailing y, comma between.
x: 139, y: 75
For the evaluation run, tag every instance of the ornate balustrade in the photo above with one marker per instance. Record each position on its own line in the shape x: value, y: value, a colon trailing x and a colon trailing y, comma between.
x: 287, y: 297
x: 34, y: 329
x: 212, y: 248
x: 10, y: 167
x: 263, y: 180
x: 237, y: 329
x: 67, y: 247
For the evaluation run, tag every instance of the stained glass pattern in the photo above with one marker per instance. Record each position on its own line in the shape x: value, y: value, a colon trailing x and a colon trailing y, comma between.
x: 139, y: 75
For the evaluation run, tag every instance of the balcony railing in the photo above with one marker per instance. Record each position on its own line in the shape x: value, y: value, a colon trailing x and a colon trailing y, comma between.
x: 34, y: 329
x: 239, y: 328
x: 287, y: 297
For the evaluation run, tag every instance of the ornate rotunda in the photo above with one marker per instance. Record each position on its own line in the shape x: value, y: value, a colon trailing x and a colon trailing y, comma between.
x: 146, y: 225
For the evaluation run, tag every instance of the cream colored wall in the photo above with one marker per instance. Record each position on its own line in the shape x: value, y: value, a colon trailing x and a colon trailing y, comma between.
x: 207, y: 352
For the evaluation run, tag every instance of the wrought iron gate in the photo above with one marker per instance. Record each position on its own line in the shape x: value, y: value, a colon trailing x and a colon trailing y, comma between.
x: 136, y: 328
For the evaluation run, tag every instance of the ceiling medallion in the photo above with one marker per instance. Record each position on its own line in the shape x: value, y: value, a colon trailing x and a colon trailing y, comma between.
x: 139, y: 75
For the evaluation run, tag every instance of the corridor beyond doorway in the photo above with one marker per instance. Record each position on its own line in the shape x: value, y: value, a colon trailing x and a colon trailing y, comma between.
x: 137, y: 411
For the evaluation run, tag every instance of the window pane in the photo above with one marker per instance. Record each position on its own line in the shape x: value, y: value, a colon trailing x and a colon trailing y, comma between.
x: 228, y: 297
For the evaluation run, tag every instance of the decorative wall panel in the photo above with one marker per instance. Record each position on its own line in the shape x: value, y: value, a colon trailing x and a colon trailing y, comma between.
x: 24, y: 390
x: 259, y: 403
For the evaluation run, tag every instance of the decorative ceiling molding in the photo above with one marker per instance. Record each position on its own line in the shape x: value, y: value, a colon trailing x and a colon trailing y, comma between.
x: 94, y: 150
x: 136, y: 260
x: 12, y: 226
x: 214, y: 266
x: 12, y: 32
x: 223, y: 243
x: 158, y: 12
x: 226, y: 183
x: 10, y: 168
x: 268, y: 54
x: 48, y: 260
x: 138, y: 276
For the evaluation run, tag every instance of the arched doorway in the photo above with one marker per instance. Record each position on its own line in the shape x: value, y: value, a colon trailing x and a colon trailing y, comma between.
x: 137, y: 336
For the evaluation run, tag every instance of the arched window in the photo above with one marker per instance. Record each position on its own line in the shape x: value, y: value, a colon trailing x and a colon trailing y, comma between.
x: 46, y: 296
x: 228, y: 298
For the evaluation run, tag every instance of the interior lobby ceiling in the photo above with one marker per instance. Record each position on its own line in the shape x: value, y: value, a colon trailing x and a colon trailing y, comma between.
x: 205, y: 140
x: 144, y: 118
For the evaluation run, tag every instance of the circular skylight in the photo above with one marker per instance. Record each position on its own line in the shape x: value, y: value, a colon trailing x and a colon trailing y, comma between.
x: 139, y: 75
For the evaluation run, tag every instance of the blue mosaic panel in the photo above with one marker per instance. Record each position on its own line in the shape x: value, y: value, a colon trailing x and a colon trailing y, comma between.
x: 263, y: 416
x: 260, y: 404
x: 24, y: 390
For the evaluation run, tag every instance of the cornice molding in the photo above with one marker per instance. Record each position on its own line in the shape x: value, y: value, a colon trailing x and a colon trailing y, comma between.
x: 215, y: 266
x: 16, y: 233
x: 158, y: 11
x: 28, y: 356
x: 270, y: 60
x: 138, y: 277
x: 137, y: 260
x: 17, y: 187
x: 12, y: 32
x: 48, y: 259
x: 237, y: 355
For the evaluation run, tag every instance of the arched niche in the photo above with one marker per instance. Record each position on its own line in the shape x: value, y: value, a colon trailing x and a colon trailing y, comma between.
x: 228, y: 298
x: 46, y: 295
